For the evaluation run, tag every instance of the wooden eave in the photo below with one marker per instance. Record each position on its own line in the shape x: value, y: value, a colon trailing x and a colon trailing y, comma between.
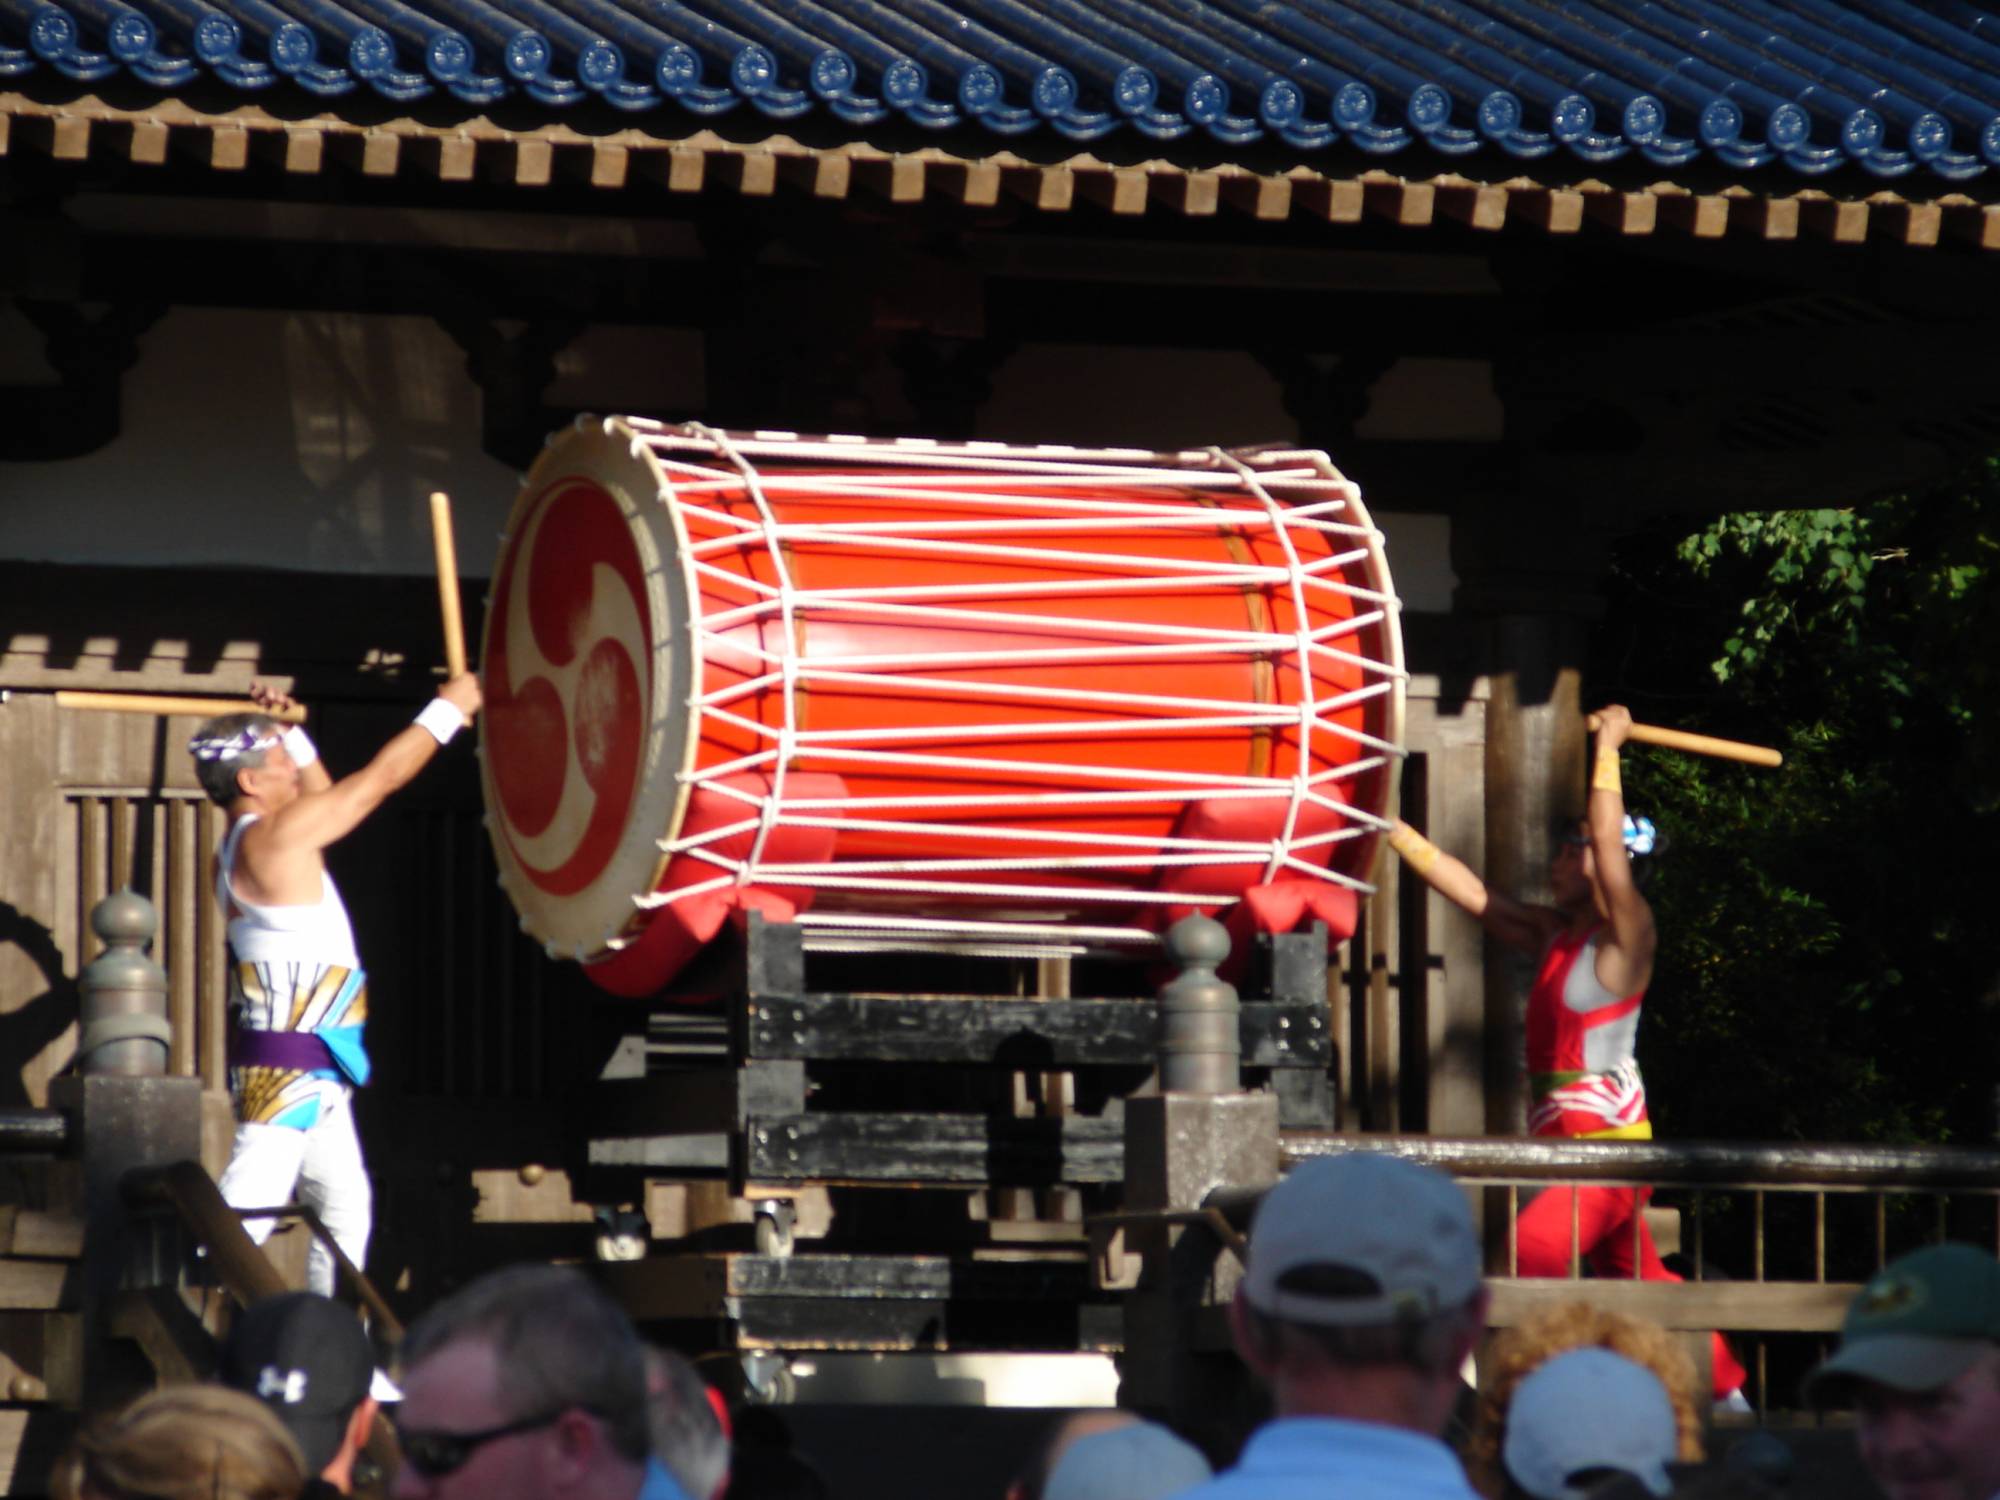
x: 243, y: 138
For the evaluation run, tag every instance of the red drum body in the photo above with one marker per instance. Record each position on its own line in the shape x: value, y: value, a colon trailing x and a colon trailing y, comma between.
x: 911, y: 687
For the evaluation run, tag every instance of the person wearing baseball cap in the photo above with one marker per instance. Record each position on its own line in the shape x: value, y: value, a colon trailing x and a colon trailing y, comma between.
x: 1136, y: 1460
x: 1361, y: 1299
x: 1919, y: 1357
x: 1583, y: 1419
x: 306, y: 1357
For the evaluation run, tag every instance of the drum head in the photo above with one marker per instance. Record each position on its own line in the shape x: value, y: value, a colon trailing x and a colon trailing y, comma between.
x: 587, y: 677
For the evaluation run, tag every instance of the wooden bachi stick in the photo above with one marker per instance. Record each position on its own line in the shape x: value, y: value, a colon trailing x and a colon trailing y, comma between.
x: 1700, y: 744
x: 447, y: 571
x: 166, y: 703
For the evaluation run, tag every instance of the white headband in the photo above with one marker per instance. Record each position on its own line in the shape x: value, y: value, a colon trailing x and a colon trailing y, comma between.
x: 228, y: 747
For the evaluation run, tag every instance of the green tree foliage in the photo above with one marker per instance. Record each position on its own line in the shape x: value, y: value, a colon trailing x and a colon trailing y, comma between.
x: 1831, y: 931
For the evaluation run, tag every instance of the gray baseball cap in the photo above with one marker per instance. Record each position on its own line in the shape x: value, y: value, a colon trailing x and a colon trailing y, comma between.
x: 1402, y: 1234
x: 1589, y: 1409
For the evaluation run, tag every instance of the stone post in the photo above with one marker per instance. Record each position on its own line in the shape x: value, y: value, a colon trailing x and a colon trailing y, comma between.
x: 123, y: 1112
x: 1181, y: 1144
x: 123, y: 994
x: 1201, y: 1044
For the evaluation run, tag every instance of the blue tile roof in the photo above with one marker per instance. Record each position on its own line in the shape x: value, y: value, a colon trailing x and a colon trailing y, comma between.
x: 1890, y: 87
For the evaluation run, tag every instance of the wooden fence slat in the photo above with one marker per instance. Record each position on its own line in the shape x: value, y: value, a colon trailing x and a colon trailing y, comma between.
x: 1384, y: 1022
x: 211, y: 993
x: 90, y: 875
x: 183, y: 892
x: 1751, y: 1307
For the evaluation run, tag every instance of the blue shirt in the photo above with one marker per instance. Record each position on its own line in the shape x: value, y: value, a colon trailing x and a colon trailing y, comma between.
x: 659, y: 1484
x: 1328, y: 1458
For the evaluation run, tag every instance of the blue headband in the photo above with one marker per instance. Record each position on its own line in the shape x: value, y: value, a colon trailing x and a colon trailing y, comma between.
x: 1640, y: 836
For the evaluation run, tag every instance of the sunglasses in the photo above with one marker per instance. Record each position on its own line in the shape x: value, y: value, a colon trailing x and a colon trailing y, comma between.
x: 436, y: 1454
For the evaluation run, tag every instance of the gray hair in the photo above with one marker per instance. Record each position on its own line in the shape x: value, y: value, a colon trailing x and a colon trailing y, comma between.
x: 687, y: 1436
x: 559, y: 1341
x: 217, y: 773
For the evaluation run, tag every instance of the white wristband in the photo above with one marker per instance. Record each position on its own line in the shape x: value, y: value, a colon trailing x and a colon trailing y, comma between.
x: 441, y: 720
x: 299, y: 745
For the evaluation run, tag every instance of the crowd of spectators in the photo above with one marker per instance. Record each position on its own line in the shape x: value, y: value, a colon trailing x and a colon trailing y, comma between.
x: 1360, y: 1306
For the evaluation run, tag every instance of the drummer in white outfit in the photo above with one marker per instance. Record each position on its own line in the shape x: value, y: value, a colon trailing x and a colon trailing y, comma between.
x: 298, y: 996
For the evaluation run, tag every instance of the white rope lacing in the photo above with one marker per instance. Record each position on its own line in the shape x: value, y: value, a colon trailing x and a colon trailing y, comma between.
x: 768, y: 814
x: 976, y: 514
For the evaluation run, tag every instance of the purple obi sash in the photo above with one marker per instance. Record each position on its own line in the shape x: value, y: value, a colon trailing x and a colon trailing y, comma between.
x: 297, y: 1051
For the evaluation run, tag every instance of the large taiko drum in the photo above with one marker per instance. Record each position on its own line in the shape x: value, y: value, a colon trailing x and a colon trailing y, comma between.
x: 914, y: 687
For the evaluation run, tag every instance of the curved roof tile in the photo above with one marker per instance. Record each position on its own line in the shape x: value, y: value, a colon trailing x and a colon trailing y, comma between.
x: 1890, y: 87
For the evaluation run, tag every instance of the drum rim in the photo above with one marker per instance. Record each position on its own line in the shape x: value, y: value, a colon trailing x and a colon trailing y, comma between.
x: 1395, y: 728
x: 606, y: 453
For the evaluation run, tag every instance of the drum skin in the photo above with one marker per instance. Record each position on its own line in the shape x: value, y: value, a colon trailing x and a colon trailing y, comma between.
x: 948, y: 692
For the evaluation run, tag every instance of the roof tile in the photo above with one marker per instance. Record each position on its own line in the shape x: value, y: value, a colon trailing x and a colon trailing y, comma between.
x: 1883, y: 87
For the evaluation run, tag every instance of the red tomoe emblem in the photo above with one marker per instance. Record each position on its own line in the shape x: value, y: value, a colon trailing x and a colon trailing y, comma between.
x: 565, y: 719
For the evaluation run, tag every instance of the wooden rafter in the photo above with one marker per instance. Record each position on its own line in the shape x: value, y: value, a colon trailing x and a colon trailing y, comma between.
x: 247, y: 138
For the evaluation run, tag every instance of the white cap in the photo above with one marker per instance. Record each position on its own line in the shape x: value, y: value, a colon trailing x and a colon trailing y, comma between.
x: 1139, y: 1461
x: 1402, y: 1231
x: 1589, y: 1409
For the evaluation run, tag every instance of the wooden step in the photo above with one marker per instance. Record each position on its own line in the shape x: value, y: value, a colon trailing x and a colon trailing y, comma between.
x: 36, y: 1234
x: 993, y: 1300
x: 942, y: 1149
x: 41, y: 1357
x: 39, y: 1285
x: 31, y: 1440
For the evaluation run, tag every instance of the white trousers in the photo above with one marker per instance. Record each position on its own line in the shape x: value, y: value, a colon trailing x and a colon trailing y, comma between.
x: 323, y: 1165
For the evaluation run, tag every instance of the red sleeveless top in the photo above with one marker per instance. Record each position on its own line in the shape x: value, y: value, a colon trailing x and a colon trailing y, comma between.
x: 1570, y: 1097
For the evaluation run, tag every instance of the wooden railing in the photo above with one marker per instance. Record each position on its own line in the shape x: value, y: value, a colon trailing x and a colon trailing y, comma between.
x: 187, y: 1191
x: 163, y: 844
x: 1799, y: 1226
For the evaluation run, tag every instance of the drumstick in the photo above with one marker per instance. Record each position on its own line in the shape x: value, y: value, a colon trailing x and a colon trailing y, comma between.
x: 447, y: 566
x: 162, y: 703
x: 1699, y: 744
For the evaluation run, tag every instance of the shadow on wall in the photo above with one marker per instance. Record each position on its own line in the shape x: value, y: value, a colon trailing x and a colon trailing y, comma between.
x: 27, y: 1029
x: 297, y: 440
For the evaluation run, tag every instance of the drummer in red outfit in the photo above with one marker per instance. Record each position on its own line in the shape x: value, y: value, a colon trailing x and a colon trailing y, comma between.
x: 1596, y: 947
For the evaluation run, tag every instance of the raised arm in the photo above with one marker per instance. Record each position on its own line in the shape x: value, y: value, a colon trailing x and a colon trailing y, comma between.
x: 1625, y: 958
x: 306, y: 826
x: 1514, y: 923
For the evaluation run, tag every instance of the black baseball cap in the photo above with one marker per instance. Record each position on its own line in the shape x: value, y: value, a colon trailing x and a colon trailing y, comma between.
x: 307, y: 1358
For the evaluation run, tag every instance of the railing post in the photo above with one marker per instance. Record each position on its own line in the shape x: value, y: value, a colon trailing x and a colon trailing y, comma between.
x: 123, y: 994
x: 122, y: 1112
x: 1201, y: 1043
x: 1198, y: 1133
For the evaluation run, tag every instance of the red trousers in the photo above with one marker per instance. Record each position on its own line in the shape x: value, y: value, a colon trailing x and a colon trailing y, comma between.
x: 1606, y: 1218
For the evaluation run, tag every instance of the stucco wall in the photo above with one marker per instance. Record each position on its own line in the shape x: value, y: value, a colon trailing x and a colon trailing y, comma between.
x: 300, y: 440
x: 312, y: 440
